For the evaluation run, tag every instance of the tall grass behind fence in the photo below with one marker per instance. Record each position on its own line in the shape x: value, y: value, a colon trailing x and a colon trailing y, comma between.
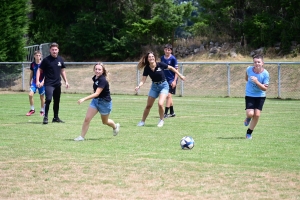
x: 203, y: 79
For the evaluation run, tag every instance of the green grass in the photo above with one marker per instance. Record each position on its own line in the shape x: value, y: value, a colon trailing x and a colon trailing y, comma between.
x: 43, y: 162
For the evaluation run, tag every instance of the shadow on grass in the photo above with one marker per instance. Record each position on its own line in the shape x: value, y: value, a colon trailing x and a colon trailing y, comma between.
x: 231, y: 138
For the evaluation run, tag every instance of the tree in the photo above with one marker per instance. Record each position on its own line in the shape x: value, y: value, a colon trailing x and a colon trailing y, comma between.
x: 154, y: 22
x: 14, y: 26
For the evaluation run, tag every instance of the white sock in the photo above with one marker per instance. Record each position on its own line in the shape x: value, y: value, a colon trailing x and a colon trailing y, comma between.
x: 31, y: 107
x: 42, y: 109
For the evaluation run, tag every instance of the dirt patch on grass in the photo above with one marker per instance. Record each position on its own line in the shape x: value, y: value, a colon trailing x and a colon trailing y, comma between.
x: 140, y: 179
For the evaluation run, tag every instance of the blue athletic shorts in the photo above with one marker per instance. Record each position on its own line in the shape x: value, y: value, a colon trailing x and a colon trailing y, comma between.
x: 156, y: 89
x: 103, y: 107
x: 33, y: 89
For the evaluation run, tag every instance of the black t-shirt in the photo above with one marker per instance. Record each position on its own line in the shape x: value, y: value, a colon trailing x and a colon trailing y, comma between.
x: 52, y: 68
x: 101, y: 82
x: 158, y: 74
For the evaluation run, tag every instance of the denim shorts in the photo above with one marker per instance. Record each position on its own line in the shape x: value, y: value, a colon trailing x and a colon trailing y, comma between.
x: 156, y: 89
x: 104, y: 107
x: 33, y: 89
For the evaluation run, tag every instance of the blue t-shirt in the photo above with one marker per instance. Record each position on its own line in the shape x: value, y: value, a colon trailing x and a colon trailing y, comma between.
x: 158, y: 74
x: 52, y: 68
x: 101, y: 82
x: 172, y: 61
x: 252, y: 90
x: 34, y: 67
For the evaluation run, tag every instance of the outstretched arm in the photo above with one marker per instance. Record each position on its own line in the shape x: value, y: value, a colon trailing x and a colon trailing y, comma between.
x: 176, y: 72
x: 94, y: 95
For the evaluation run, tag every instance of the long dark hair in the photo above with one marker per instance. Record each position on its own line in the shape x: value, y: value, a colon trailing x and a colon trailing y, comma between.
x: 144, y: 61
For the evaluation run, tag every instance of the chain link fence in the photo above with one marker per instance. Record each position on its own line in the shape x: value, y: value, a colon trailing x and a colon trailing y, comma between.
x: 203, y: 79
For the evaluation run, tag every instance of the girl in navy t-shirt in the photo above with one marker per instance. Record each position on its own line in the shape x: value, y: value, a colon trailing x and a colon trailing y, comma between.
x: 101, y: 102
x: 159, y: 87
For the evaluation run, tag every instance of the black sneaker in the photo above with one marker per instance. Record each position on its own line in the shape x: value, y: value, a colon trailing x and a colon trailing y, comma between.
x: 57, y: 120
x: 45, y: 120
x: 166, y: 115
x: 171, y: 115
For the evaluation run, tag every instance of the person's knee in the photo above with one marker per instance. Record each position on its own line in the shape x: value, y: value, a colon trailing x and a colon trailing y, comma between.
x: 48, y: 101
x: 148, y: 107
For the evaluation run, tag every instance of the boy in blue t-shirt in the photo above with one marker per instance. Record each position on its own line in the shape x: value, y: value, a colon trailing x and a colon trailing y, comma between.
x: 171, y: 77
x: 32, y: 83
x: 255, y: 93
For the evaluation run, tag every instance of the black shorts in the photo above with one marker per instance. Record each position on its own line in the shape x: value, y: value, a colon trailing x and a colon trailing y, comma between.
x: 254, y: 102
x: 172, y: 90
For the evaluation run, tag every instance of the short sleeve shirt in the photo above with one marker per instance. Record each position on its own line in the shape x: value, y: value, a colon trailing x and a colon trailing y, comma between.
x: 172, y: 61
x: 34, y: 67
x: 101, y: 82
x: 52, y: 68
x: 158, y: 74
x: 252, y: 90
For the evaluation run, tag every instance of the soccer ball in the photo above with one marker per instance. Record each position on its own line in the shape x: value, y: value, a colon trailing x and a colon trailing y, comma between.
x: 187, y: 142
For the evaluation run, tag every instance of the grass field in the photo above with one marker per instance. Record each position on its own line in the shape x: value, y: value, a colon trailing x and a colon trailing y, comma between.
x: 43, y: 162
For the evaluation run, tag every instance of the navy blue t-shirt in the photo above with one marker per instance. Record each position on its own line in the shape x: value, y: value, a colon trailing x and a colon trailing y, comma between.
x: 101, y: 82
x: 52, y: 68
x: 158, y: 74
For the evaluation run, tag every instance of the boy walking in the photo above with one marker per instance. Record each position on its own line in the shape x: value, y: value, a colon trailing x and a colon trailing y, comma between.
x: 32, y: 83
x: 171, y: 77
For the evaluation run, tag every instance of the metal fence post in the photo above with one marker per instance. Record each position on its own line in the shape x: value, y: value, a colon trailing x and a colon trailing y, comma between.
x: 228, y: 79
x: 23, y: 76
x: 279, y: 78
x: 137, y: 78
x: 182, y: 85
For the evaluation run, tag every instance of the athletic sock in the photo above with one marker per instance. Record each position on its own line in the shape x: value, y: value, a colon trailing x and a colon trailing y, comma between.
x: 171, y: 110
x: 31, y: 107
x: 249, y: 131
x: 166, y: 110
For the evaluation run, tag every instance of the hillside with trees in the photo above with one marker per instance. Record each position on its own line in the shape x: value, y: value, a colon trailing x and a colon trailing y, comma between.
x: 117, y: 30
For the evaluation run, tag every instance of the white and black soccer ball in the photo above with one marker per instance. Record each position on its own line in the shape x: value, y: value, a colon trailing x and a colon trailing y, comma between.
x: 187, y: 142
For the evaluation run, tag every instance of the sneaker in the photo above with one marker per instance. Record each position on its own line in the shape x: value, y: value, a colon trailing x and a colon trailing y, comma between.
x: 30, y: 112
x: 141, y: 123
x: 42, y: 113
x: 116, y: 130
x: 166, y: 115
x: 160, y: 123
x: 247, y: 121
x: 79, y: 138
x: 172, y: 115
x: 57, y: 120
x: 45, y: 120
x: 248, y: 136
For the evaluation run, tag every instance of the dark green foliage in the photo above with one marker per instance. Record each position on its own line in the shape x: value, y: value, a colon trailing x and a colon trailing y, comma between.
x: 262, y: 22
x: 13, y: 25
x: 113, y: 30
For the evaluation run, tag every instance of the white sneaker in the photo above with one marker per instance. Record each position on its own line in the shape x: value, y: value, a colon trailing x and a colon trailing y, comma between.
x: 141, y: 123
x: 79, y: 138
x: 116, y: 130
x: 160, y: 123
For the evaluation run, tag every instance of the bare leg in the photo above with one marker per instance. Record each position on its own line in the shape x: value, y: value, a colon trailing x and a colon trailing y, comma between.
x: 91, y: 112
x: 42, y: 98
x: 31, y: 101
x: 109, y: 122
x: 169, y: 101
x: 149, y: 105
x: 249, y: 113
x: 161, y: 100
x: 255, y: 118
